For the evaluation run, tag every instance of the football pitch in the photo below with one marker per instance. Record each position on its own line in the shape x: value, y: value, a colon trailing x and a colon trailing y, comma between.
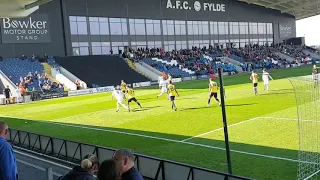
x: 263, y: 129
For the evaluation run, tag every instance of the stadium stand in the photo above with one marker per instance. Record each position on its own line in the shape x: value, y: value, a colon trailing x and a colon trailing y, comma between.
x: 29, y: 73
x: 19, y: 70
x: 99, y: 71
x: 184, y: 62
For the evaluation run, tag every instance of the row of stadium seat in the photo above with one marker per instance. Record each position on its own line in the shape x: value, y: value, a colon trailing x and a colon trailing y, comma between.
x: 16, y: 68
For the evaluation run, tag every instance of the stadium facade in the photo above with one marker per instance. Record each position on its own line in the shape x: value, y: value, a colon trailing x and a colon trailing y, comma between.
x: 85, y: 27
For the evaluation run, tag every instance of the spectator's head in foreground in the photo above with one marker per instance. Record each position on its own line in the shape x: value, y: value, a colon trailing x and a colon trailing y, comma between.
x: 108, y: 170
x: 90, y: 163
x: 124, y: 159
x: 4, y: 129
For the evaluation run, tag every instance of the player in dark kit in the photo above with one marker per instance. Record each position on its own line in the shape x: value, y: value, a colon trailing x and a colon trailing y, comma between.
x: 7, y: 93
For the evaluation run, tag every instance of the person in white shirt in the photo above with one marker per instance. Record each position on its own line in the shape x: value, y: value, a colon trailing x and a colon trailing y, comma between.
x: 265, y: 78
x: 118, y: 94
x: 18, y: 95
x: 163, y: 84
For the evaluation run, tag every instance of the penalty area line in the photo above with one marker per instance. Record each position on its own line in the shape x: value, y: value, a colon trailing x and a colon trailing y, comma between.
x: 219, y: 129
x: 174, y: 141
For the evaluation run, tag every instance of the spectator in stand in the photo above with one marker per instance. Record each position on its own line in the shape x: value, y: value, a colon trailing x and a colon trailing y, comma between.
x: 108, y: 171
x: 23, y: 57
x: 22, y: 92
x: 89, y: 165
x: 124, y: 159
x: 8, y: 164
x: 78, y: 84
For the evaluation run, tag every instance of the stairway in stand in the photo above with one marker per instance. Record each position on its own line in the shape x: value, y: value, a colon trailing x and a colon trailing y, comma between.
x: 47, y: 70
x: 132, y: 65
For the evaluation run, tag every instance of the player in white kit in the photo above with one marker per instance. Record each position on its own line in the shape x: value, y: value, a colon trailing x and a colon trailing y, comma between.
x: 118, y: 94
x: 265, y: 78
x: 163, y: 84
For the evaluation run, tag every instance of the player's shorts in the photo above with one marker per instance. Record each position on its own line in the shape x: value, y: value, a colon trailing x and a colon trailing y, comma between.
x: 172, y: 98
x: 7, y: 96
x: 132, y: 99
x: 164, y: 89
x: 214, y: 94
x: 120, y: 100
x: 255, y: 84
x: 266, y: 82
x: 124, y: 91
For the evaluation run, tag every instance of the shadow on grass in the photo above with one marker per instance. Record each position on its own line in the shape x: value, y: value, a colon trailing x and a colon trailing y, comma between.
x: 235, y: 105
x: 248, y: 160
x: 192, y: 108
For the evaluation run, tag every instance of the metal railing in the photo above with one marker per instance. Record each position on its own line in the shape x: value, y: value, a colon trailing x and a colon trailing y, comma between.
x: 150, y: 167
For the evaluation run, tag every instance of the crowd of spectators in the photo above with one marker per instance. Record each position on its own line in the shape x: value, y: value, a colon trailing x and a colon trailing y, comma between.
x: 294, y: 51
x: 44, y: 85
x: 254, y: 56
x: 120, y: 167
x: 186, y: 58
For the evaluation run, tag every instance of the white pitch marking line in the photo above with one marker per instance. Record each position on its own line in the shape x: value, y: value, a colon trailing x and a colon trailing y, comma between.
x: 203, y: 134
x: 311, y: 175
x: 175, y: 141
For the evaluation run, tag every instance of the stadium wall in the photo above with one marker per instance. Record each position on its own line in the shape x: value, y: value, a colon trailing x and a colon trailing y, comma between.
x: 62, y: 18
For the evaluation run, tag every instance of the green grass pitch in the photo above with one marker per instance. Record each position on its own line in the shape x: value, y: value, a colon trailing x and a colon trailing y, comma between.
x: 263, y: 129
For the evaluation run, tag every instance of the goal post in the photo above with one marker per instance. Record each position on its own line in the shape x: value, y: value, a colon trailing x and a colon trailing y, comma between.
x: 306, y: 91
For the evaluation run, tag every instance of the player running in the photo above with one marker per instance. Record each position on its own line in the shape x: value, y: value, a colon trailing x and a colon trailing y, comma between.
x: 131, y: 97
x: 255, y: 78
x: 118, y: 94
x: 265, y: 78
x: 213, y: 89
x: 315, y: 75
x: 163, y: 83
x: 123, y: 88
x: 172, y: 92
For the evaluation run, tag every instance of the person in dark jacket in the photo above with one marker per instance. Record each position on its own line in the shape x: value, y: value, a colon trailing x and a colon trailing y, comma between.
x: 89, y: 165
x: 124, y: 159
x: 108, y: 171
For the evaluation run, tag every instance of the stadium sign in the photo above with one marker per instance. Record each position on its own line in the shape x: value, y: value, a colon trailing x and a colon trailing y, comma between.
x: 285, y: 30
x: 91, y: 91
x: 187, y: 79
x: 53, y: 95
x: 103, y: 89
x: 80, y: 92
x: 196, y: 6
x: 142, y: 84
x: 175, y: 80
x: 33, y: 29
x: 204, y: 77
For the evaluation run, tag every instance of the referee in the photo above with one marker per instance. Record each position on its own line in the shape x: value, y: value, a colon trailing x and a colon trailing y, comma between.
x: 7, y: 93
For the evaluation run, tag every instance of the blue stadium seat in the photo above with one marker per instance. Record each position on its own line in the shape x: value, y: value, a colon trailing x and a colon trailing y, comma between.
x: 17, y: 68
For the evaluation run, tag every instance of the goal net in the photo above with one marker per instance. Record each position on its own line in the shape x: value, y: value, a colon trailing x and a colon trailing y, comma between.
x: 306, y: 90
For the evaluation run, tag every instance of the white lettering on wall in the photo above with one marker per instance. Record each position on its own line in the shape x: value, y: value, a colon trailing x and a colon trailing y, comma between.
x: 197, y: 6
x: 23, y: 24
